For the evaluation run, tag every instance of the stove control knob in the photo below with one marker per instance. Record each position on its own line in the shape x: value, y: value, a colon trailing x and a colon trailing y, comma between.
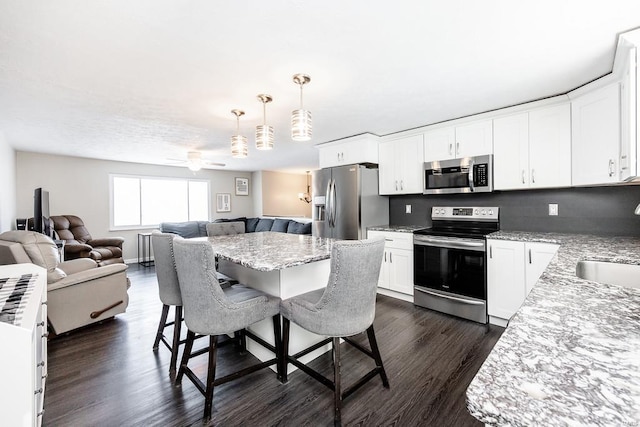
x: 491, y: 212
x: 476, y: 212
x: 484, y: 212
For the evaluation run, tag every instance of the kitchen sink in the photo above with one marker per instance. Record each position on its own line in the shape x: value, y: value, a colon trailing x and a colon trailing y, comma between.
x: 611, y: 273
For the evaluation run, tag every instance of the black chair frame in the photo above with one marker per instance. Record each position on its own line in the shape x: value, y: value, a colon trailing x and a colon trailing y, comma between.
x: 334, y: 385
x: 214, y: 344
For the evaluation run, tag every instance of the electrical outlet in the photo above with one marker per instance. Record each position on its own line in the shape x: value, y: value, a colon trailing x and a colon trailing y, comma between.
x: 553, y: 209
x: 407, y: 208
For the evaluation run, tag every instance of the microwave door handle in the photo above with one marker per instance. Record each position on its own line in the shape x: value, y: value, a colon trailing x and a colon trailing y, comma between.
x: 471, y: 183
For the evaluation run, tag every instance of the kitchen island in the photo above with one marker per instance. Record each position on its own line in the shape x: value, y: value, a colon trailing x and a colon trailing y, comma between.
x: 571, y: 354
x: 280, y: 264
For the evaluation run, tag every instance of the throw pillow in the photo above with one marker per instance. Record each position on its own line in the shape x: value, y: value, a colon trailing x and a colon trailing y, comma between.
x: 280, y: 225
x: 251, y: 224
x: 264, y: 224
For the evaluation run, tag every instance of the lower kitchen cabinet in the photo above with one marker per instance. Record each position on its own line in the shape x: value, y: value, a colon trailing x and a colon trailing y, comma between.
x: 513, y: 268
x: 396, y: 273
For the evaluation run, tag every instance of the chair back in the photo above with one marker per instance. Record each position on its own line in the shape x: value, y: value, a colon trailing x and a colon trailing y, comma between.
x: 40, y: 249
x: 225, y: 228
x: 207, y: 310
x: 348, y: 304
x: 70, y: 228
x: 168, y: 286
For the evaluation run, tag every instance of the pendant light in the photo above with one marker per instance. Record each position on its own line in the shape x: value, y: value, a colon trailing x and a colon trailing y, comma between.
x: 301, y: 119
x: 264, y: 132
x: 239, y: 147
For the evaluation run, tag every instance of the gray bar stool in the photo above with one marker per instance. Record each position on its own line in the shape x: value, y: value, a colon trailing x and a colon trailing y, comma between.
x: 211, y: 310
x: 169, y: 291
x: 346, y: 307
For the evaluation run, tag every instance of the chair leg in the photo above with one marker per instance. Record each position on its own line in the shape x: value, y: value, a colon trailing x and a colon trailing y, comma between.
x: 277, y: 333
x: 337, y: 394
x: 163, y: 321
x: 211, y: 376
x: 177, y: 327
x: 373, y: 343
x: 186, y: 353
x: 284, y: 352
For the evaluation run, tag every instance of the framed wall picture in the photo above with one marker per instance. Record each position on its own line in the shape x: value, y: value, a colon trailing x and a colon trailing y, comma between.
x: 242, y: 186
x: 223, y: 202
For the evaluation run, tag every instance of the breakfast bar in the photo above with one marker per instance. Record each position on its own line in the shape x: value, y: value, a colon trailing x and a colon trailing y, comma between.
x: 280, y: 264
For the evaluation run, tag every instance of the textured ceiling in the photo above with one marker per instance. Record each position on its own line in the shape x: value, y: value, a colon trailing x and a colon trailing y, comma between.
x: 148, y: 80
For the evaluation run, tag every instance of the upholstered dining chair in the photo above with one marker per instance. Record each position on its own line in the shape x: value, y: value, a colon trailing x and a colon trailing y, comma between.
x: 225, y: 228
x: 346, y: 307
x: 212, y: 310
x: 169, y: 290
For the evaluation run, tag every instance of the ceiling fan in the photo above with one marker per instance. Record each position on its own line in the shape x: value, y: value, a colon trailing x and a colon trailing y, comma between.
x: 195, y: 162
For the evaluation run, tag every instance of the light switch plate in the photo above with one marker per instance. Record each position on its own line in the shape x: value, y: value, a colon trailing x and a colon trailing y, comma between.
x: 553, y: 209
x: 407, y: 208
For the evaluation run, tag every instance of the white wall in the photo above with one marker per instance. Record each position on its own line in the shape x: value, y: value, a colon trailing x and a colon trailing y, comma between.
x: 80, y: 186
x: 7, y: 185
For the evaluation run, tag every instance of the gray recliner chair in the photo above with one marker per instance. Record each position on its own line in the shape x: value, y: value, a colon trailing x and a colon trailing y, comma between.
x: 346, y: 307
x: 211, y: 310
x: 78, y: 292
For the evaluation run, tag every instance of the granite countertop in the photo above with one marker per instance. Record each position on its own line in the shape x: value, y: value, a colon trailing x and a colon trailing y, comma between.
x: 571, y: 354
x: 267, y: 251
x: 396, y: 228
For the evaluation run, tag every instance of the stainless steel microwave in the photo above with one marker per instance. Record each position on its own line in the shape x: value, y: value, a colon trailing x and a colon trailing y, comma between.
x: 465, y: 175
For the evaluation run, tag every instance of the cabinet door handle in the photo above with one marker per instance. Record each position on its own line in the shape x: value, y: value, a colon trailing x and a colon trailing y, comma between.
x: 457, y: 148
x: 40, y: 323
x: 611, y: 167
x: 391, y: 257
x: 523, y: 181
x: 451, y: 149
x: 401, y: 185
x: 530, y: 256
x: 38, y: 391
x: 533, y: 176
x: 385, y: 256
x: 45, y: 335
x: 490, y: 251
x: 44, y: 303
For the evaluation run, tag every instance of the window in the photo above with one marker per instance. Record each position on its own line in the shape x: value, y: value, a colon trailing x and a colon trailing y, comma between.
x: 138, y: 201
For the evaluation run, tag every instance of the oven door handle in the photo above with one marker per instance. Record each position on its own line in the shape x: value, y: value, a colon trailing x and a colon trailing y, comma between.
x: 451, y: 244
x: 462, y: 300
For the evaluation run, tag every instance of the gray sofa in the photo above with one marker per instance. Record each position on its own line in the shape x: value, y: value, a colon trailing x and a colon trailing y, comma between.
x: 189, y: 229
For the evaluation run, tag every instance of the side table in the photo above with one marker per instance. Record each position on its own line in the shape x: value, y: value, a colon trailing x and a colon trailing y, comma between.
x: 144, y: 250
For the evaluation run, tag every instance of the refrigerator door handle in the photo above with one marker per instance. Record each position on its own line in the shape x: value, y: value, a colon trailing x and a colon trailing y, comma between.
x: 328, y: 202
x: 333, y: 202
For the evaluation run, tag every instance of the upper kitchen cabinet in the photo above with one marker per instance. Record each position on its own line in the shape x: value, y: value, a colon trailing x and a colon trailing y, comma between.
x: 533, y: 149
x: 465, y: 140
x: 629, y: 116
x: 401, y: 166
x: 356, y: 149
x: 595, y: 147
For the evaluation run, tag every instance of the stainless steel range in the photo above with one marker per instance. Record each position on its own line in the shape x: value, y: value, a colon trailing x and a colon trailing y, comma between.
x: 450, y: 268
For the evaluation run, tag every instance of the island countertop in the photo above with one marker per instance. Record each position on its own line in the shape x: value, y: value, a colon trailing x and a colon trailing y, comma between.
x: 268, y: 251
x: 571, y: 354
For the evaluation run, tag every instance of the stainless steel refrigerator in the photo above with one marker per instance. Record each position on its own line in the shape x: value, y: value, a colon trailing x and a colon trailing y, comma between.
x: 346, y: 202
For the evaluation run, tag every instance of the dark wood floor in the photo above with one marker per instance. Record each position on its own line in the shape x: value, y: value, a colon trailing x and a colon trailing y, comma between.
x: 108, y: 375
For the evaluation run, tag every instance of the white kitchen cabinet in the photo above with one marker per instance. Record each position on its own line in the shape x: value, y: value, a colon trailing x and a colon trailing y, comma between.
x: 401, y: 166
x: 538, y: 256
x: 396, y: 273
x: 356, y: 149
x: 595, y: 147
x: 23, y: 359
x: 629, y: 117
x: 533, y: 149
x: 513, y: 268
x: 470, y: 139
